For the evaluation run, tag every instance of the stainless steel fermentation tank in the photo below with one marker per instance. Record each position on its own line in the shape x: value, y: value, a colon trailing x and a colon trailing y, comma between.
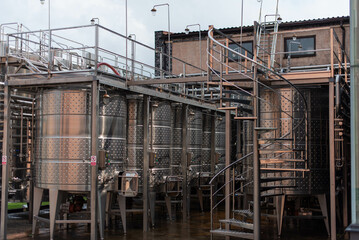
x: 278, y: 114
x: 220, y: 132
x: 63, y: 139
x: 176, y: 146
x: 159, y: 139
x: 195, y: 133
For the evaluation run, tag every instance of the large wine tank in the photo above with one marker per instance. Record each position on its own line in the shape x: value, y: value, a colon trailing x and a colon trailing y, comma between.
x: 160, y: 141
x: 286, y: 115
x: 135, y: 137
x: 63, y: 139
x: 195, y: 133
x: 206, y: 143
x: 176, y: 146
x: 220, y: 138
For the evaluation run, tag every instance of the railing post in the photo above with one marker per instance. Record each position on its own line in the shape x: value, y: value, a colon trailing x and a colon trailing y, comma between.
x: 96, y: 50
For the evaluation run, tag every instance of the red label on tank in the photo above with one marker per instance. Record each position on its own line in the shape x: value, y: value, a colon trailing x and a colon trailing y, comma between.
x: 93, y: 160
x: 4, y: 160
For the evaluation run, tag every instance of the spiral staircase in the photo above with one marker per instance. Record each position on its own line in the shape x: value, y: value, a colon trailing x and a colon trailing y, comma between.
x: 273, y: 154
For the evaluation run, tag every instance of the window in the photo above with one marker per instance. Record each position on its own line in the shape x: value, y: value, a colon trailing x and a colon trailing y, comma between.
x: 246, y: 45
x: 300, y: 47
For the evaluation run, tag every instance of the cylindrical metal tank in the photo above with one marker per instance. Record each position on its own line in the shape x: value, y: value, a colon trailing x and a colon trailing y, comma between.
x: 160, y: 141
x: 176, y: 146
x: 285, y: 113
x: 206, y: 143
x: 63, y: 140
x: 135, y: 137
x: 195, y: 133
x: 220, y: 132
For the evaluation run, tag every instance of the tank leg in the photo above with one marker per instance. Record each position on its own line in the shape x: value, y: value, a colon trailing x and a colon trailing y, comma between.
x: 122, y: 205
x: 280, y: 200
x: 169, y: 207
x: 38, y: 192
x: 101, y: 211
x: 323, y: 206
x: 54, y: 207
x: 152, y: 207
x: 200, y: 198
x: 108, y: 208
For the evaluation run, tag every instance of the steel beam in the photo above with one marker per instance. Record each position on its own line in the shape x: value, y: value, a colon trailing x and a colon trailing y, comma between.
x: 5, y: 165
x: 333, y: 230
x: 146, y: 113
x: 94, y: 151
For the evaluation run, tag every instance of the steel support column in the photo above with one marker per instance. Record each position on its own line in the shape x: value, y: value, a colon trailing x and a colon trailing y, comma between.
x: 5, y: 165
x: 256, y: 163
x: 213, y: 142
x: 184, y: 161
x: 94, y: 145
x: 333, y: 230
x: 228, y: 161
x: 146, y: 112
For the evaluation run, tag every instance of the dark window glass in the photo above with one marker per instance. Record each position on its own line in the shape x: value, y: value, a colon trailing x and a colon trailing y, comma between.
x: 246, y: 45
x: 306, y: 43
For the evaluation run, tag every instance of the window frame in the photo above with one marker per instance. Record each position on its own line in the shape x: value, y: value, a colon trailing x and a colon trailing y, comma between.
x: 232, y: 60
x: 299, y: 55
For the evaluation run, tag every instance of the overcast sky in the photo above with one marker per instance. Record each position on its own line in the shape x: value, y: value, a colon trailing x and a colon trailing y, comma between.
x: 220, y: 13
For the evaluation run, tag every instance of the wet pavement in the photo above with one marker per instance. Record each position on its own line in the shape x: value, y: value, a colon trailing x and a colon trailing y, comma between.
x: 197, y: 227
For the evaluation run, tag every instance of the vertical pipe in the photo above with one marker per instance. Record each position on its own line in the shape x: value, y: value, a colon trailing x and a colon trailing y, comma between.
x: 354, y: 115
x: 256, y: 164
x: 332, y: 161
x: 146, y: 106
x: 169, y: 41
x: 5, y: 165
x: 126, y: 42
x: 94, y: 145
x: 184, y: 160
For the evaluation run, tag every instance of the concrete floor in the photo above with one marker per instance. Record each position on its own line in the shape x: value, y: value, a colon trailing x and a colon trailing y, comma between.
x: 197, y: 227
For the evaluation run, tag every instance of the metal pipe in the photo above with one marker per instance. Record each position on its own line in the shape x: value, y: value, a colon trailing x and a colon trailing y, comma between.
x: 354, y: 116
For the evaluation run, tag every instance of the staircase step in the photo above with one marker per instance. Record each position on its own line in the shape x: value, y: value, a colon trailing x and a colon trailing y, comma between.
x: 238, y: 223
x: 275, y: 139
x: 275, y: 179
x: 265, y: 129
x: 284, y: 170
x: 244, y: 212
x: 227, y: 108
x: 269, y: 160
x: 231, y: 233
x: 270, y: 151
x: 266, y: 188
x: 245, y: 118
